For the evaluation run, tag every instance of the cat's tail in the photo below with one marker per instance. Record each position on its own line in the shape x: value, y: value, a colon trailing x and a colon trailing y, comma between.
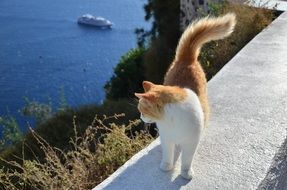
x: 201, y: 32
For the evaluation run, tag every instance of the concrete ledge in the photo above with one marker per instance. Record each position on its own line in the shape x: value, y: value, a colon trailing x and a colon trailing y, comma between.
x: 247, y: 127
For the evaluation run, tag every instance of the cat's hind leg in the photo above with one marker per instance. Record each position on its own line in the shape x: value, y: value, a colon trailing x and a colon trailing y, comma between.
x: 188, y: 151
x: 167, y: 155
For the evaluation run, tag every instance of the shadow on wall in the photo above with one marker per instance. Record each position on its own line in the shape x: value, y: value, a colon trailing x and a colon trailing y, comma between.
x: 147, y: 167
x: 277, y: 173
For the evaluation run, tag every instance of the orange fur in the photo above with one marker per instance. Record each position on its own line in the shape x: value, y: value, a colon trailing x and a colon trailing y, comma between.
x: 186, y: 71
x: 151, y: 102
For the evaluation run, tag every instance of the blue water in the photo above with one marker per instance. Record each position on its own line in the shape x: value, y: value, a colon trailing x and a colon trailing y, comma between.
x: 43, y: 49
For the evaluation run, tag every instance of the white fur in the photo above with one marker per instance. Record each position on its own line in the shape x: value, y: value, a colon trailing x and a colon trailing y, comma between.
x: 181, y: 125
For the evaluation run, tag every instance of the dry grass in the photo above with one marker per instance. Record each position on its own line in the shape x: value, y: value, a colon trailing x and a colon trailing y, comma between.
x: 89, y: 163
x: 250, y: 21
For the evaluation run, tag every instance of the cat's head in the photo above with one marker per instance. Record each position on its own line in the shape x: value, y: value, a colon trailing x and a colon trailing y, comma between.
x: 152, y: 101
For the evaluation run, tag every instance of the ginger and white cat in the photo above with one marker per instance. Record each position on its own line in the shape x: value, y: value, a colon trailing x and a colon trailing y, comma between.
x: 180, y: 106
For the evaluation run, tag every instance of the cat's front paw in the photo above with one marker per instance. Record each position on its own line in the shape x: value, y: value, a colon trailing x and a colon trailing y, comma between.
x: 164, y: 166
x: 187, y: 173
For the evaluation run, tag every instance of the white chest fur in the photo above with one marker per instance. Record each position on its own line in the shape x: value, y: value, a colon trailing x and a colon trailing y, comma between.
x: 181, y: 125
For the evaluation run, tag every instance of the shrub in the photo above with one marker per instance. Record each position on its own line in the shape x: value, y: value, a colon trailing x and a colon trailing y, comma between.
x: 57, y: 130
x: 250, y: 21
x: 9, y: 131
x: 128, y: 76
x: 39, y: 111
x: 84, y: 166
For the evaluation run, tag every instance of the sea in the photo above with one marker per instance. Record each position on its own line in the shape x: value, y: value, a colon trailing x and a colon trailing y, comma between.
x: 44, y: 53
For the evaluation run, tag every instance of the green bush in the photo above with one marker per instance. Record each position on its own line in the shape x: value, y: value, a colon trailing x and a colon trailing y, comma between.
x: 58, y: 129
x: 128, y: 76
x: 39, y: 111
x: 9, y: 132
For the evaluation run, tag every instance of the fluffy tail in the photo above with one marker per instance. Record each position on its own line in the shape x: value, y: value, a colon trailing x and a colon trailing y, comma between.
x: 201, y: 32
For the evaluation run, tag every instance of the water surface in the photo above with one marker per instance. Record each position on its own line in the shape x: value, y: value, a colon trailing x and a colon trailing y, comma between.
x: 43, y: 49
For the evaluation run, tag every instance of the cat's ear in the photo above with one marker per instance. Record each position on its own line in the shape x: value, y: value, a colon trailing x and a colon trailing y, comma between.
x: 147, y: 85
x: 146, y: 96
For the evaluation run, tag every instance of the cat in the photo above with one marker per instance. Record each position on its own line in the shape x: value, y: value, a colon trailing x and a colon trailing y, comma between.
x: 179, y: 118
x: 179, y: 107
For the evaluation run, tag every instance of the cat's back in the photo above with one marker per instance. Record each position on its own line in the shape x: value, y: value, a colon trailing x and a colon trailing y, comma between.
x: 187, y: 75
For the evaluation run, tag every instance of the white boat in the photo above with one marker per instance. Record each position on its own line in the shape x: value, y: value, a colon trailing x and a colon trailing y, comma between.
x: 89, y: 19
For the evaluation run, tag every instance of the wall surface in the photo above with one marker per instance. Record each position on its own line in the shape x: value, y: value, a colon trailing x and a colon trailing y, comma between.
x: 247, y: 127
x: 270, y: 4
